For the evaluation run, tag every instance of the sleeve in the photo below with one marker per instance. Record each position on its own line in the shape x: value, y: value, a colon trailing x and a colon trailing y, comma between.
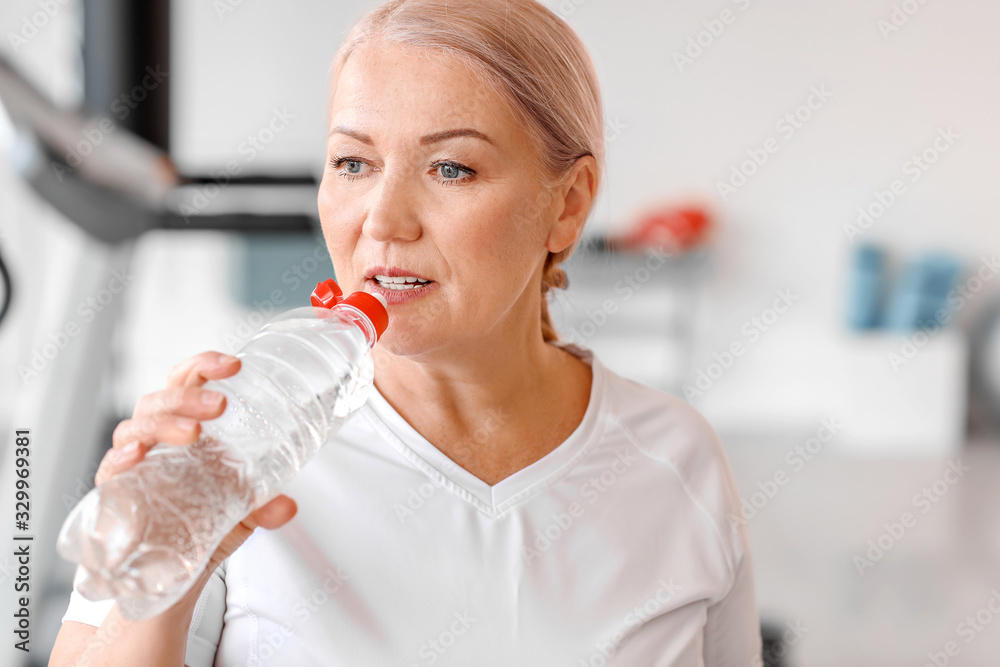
x: 669, y: 429
x: 732, y: 626
x: 732, y: 636
x: 206, y: 622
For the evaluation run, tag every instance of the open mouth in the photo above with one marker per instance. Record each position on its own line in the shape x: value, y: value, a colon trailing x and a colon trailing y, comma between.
x: 400, y: 283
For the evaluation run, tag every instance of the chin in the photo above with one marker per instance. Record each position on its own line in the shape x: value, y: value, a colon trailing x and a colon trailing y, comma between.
x: 407, y: 342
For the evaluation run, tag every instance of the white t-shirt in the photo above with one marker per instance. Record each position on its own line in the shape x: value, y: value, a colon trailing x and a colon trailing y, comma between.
x: 616, y: 548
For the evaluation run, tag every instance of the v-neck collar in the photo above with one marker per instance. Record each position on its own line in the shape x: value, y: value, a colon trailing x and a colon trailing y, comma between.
x: 493, y: 500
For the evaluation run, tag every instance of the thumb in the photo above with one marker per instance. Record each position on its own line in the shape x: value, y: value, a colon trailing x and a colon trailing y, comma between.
x: 275, y: 513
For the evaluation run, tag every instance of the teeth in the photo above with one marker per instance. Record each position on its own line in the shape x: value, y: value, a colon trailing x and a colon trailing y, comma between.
x: 400, y: 282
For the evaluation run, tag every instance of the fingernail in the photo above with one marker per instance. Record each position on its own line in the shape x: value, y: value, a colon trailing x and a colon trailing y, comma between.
x: 224, y: 359
x: 126, y: 452
x: 186, y: 424
x: 211, y: 399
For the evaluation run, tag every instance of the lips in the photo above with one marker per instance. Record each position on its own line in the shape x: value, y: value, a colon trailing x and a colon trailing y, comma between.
x: 394, y: 272
x: 399, y: 293
x: 400, y: 283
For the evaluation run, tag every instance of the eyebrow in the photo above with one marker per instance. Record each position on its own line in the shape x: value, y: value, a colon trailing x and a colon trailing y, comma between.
x: 424, y: 140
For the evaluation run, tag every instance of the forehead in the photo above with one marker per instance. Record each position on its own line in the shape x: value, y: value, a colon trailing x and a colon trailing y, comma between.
x: 385, y: 84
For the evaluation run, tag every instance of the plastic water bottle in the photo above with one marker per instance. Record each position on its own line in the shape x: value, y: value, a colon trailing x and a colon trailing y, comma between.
x: 146, y: 535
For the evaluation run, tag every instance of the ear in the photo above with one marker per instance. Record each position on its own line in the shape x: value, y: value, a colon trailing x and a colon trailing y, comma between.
x: 575, y: 197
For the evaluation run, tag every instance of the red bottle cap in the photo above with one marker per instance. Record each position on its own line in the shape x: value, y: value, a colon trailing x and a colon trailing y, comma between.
x: 372, y: 307
x: 327, y: 294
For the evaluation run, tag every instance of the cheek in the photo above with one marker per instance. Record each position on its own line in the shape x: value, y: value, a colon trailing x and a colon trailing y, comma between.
x: 513, y: 228
x: 497, y: 250
x: 339, y: 230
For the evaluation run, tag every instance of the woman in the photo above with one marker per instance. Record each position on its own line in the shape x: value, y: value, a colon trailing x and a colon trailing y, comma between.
x: 502, y: 499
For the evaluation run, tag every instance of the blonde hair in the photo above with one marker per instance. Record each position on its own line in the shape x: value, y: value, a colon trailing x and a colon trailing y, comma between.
x: 532, y: 58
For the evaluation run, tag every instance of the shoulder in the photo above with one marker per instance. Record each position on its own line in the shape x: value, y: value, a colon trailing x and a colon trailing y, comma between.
x: 662, y: 426
x: 672, y: 434
x: 667, y: 428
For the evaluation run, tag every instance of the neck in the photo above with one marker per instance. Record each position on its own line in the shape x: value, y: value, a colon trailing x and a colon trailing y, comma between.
x: 492, y: 405
x: 469, y: 378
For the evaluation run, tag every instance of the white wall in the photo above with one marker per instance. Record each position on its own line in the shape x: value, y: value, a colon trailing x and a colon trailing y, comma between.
x: 678, y: 131
x: 676, y: 134
x: 684, y: 130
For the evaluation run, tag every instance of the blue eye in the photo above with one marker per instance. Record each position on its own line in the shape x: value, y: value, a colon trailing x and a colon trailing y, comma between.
x: 451, y: 172
x: 352, y: 167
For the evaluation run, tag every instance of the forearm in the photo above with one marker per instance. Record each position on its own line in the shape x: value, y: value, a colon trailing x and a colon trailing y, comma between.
x: 160, y: 641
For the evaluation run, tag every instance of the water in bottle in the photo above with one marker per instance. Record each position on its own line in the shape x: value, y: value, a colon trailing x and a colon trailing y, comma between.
x: 146, y: 535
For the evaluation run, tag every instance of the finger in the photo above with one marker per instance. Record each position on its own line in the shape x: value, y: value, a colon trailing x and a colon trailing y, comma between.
x: 193, y: 402
x: 171, y: 416
x: 119, y: 460
x: 130, y: 430
x: 171, y: 429
x: 275, y: 513
x: 201, y: 368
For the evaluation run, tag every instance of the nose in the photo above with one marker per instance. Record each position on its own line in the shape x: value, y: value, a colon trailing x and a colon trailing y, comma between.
x: 392, y: 215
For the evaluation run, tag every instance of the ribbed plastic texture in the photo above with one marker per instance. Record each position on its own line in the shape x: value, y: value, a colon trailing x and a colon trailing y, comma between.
x: 146, y: 535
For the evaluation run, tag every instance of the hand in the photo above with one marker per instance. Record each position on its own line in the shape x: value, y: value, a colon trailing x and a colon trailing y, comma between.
x: 172, y: 416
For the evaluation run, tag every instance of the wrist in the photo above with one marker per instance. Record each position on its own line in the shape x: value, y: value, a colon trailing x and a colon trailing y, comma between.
x: 180, y: 613
x: 185, y: 606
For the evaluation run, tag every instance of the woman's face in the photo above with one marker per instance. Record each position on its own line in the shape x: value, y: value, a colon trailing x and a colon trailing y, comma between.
x: 430, y: 176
